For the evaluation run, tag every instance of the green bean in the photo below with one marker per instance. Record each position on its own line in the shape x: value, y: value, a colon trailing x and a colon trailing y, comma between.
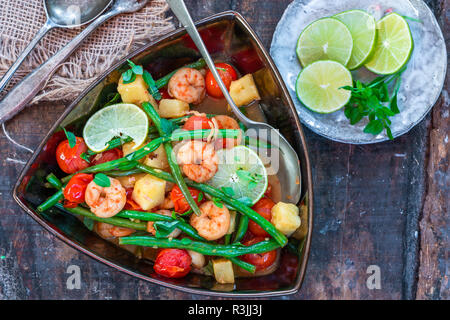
x: 54, y: 181
x: 242, y: 229
x: 262, y: 222
x: 50, y: 202
x: 209, y: 249
x: 124, y: 223
x: 149, y: 216
x: 227, y: 239
x: 172, y: 163
x: 160, y: 83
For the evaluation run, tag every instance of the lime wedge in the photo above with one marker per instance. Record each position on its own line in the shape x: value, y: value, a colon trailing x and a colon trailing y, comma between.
x: 393, y: 46
x: 325, y: 39
x: 318, y: 86
x: 119, y: 120
x: 241, y: 174
x: 362, y: 26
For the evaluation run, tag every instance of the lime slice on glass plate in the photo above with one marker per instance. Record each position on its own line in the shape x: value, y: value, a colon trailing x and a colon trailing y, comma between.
x: 241, y: 174
x: 362, y: 26
x: 318, y: 86
x: 393, y: 46
x: 325, y: 39
x: 119, y: 120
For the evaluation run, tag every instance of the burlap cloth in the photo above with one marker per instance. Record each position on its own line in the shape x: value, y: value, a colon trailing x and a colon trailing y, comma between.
x: 21, y: 19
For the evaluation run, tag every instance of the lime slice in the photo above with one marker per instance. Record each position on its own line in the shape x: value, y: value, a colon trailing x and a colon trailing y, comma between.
x: 325, y: 39
x: 241, y: 174
x: 362, y: 26
x: 318, y: 86
x: 119, y: 120
x: 393, y: 46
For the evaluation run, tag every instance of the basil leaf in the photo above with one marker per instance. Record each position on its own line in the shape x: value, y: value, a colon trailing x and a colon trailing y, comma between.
x: 71, y: 138
x: 164, y: 228
x: 136, y: 69
x: 85, y: 157
x: 167, y: 126
x: 102, y: 180
x: 89, y: 223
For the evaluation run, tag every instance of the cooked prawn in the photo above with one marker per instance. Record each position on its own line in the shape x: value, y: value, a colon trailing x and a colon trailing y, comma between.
x: 213, y: 223
x: 106, y: 202
x: 175, y: 233
x: 187, y: 85
x: 226, y: 122
x: 107, y: 230
x: 198, y: 159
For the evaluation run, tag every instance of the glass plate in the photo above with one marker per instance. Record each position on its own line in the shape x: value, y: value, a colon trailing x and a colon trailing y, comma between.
x: 422, y: 82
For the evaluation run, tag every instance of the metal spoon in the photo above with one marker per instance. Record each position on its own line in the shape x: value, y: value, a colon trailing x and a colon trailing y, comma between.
x: 289, y: 164
x: 60, y: 14
x: 19, y: 96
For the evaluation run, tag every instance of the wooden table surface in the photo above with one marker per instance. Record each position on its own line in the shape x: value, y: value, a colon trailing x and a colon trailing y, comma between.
x: 384, y: 204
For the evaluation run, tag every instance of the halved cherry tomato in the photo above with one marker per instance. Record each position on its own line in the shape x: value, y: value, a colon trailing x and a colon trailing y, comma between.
x: 164, y: 94
x: 76, y: 188
x: 227, y: 74
x: 173, y: 263
x: 179, y: 201
x: 197, y: 123
x: 105, y: 156
x: 131, y: 204
x: 69, y: 159
x: 260, y: 260
x: 264, y: 208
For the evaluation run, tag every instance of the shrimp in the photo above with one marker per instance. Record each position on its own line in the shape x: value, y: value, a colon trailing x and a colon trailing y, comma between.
x: 107, y: 230
x: 175, y: 233
x: 226, y: 122
x: 198, y: 159
x: 187, y: 85
x: 106, y: 202
x: 213, y: 223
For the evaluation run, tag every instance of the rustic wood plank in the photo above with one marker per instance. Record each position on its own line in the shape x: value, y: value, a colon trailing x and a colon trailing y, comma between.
x: 368, y: 200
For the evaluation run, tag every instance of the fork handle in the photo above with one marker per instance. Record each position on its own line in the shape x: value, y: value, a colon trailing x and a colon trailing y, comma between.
x: 20, y: 95
x: 181, y: 12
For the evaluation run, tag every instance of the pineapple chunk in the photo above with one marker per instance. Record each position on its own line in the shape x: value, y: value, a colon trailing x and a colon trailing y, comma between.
x: 128, y: 148
x: 232, y: 226
x: 129, y: 181
x: 244, y: 90
x: 223, y: 270
x: 157, y: 159
x: 136, y: 92
x: 149, y: 192
x: 302, y: 231
x: 285, y: 217
x: 172, y: 108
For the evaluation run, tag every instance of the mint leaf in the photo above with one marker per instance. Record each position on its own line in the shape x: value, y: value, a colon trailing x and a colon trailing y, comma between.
x: 374, y: 127
x: 167, y: 126
x: 165, y: 228
x: 102, y: 180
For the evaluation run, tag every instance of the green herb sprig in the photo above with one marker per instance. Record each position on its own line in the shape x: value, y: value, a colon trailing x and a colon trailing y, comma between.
x: 71, y: 138
x: 102, y: 180
x: 373, y: 100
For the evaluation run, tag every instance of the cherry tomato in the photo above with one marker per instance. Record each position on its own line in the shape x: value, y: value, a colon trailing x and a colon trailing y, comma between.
x: 164, y: 94
x: 131, y: 204
x: 179, y: 202
x: 197, y: 123
x: 49, y: 149
x: 264, y: 208
x: 105, y: 156
x: 76, y: 188
x: 227, y: 74
x: 173, y: 263
x: 260, y: 260
x: 69, y: 159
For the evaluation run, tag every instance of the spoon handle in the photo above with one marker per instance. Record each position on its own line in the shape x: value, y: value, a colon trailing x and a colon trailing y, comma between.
x: 8, y: 75
x: 181, y: 12
x: 20, y: 95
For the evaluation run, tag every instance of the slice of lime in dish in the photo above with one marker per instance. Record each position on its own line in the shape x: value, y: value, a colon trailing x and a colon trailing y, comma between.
x: 362, y: 26
x: 325, y: 39
x: 393, y: 46
x: 241, y: 174
x: 119, y: 120
x: 319, y: 85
